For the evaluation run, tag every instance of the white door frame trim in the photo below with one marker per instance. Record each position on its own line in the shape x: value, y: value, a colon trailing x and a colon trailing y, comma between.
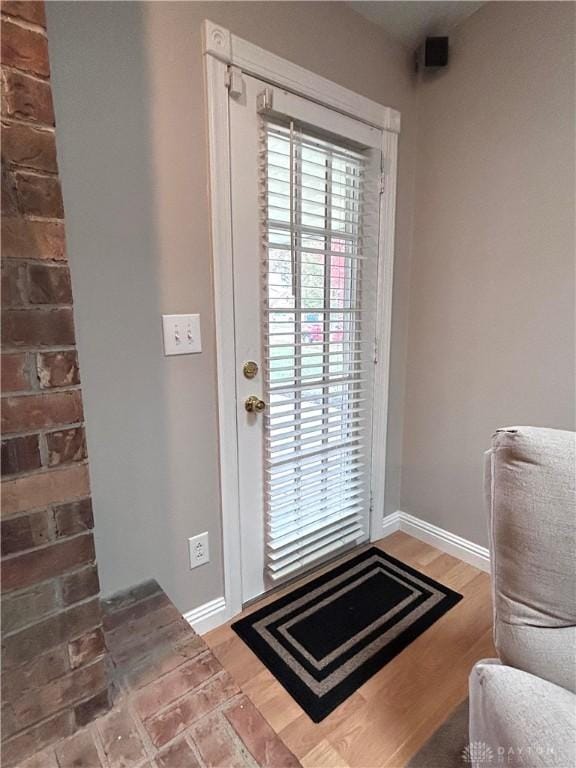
x: 221, y: 44
x: 223, y: 49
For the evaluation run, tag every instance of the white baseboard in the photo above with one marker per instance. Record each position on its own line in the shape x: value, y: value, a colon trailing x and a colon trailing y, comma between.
x: 214, y: 613
x: 444, y: 540
x: 391, y: 524
x: 207, y: 616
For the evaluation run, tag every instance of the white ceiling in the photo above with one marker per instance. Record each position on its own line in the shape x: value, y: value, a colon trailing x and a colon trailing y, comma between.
x: 410, y: 21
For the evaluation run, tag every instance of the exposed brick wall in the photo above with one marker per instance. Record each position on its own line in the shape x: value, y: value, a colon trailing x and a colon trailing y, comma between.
x: 53, y: 652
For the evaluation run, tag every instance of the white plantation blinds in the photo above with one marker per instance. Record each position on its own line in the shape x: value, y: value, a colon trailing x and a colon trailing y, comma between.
x: 319, y: 277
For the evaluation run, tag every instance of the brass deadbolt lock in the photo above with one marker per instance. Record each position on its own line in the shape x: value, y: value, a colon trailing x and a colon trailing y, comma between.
x: 253, y: 404
x: 250, y: 369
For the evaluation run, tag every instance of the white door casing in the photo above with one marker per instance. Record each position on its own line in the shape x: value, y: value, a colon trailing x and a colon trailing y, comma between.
x: 222, y: 51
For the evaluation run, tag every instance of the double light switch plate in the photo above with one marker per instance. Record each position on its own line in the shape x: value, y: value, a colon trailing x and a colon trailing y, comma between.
x: 181, y: 334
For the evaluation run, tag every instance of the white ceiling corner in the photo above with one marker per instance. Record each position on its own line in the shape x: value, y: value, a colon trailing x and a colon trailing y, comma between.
x: 411, y: 21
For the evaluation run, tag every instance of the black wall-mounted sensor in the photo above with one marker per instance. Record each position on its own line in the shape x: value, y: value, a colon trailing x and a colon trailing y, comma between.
x: 436, y: 52
x: 432, y: 54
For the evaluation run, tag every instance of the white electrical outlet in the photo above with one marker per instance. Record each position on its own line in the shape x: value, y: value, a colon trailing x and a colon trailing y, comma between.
x: 198, y: 549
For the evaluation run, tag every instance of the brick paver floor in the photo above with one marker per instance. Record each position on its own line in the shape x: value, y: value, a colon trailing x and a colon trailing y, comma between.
x: 174, y: 704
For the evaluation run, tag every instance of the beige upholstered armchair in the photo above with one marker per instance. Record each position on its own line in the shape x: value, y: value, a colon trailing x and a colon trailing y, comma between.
x: 523, y: 705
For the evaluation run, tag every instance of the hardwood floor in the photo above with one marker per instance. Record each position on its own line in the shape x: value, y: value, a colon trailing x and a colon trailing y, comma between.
x: 389, y: 718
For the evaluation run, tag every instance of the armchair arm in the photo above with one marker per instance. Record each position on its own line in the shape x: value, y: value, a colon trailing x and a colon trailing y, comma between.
x: 531, y: 499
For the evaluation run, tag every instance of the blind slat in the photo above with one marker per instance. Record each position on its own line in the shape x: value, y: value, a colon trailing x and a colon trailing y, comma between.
x: 283, y: 498
x: 284, y: 461
x: 307, y: 471
x: 342, y: 380
x: 321, y: 416
x: 345, y: 525
x: 306, y: 481
x: 306, y: 188
x: 322, y: 552
x: 280, y: 546
x: 322, y: 498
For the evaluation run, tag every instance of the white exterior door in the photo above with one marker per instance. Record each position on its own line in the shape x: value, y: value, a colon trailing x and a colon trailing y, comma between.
x: 305, y: 213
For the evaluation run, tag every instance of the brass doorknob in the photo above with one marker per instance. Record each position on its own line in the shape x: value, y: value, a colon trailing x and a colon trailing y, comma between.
x: 253, y: 404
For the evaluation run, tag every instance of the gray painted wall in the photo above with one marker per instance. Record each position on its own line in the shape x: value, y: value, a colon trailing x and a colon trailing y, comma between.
x: 491, y: 310
x: 128, y: 88
x: 491, y: 339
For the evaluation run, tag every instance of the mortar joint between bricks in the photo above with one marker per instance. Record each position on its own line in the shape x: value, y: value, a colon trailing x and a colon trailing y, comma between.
x: 31, y: 261
x: 187, y: 734
x: 28, y: 367
x: 96, y: 738
x: 41, y: 433
x: 38, y: 28
x: 25, y: 287
x: 35, y: 510
x: 31, y: 368
x: 42, y: 430
x: 46, y: 391
x: 49, y: 348
x: 39, y: 308
x: 189, y: 739
x: 60, y: 610
x: 43, y: 219
x: 149, y: 748
x: 28, y: 122
x: 45, y: 431
x: 8, y: 120
x: 53, y: 543
x: 45, y: 263
x: 9, y: 349
x: 19, y: 170
x: 8, y: 68
x: 194, y: 690
x: 59, y: 592
x: 78, y: 569
x: 23, y: 167
x: 43, y: 447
